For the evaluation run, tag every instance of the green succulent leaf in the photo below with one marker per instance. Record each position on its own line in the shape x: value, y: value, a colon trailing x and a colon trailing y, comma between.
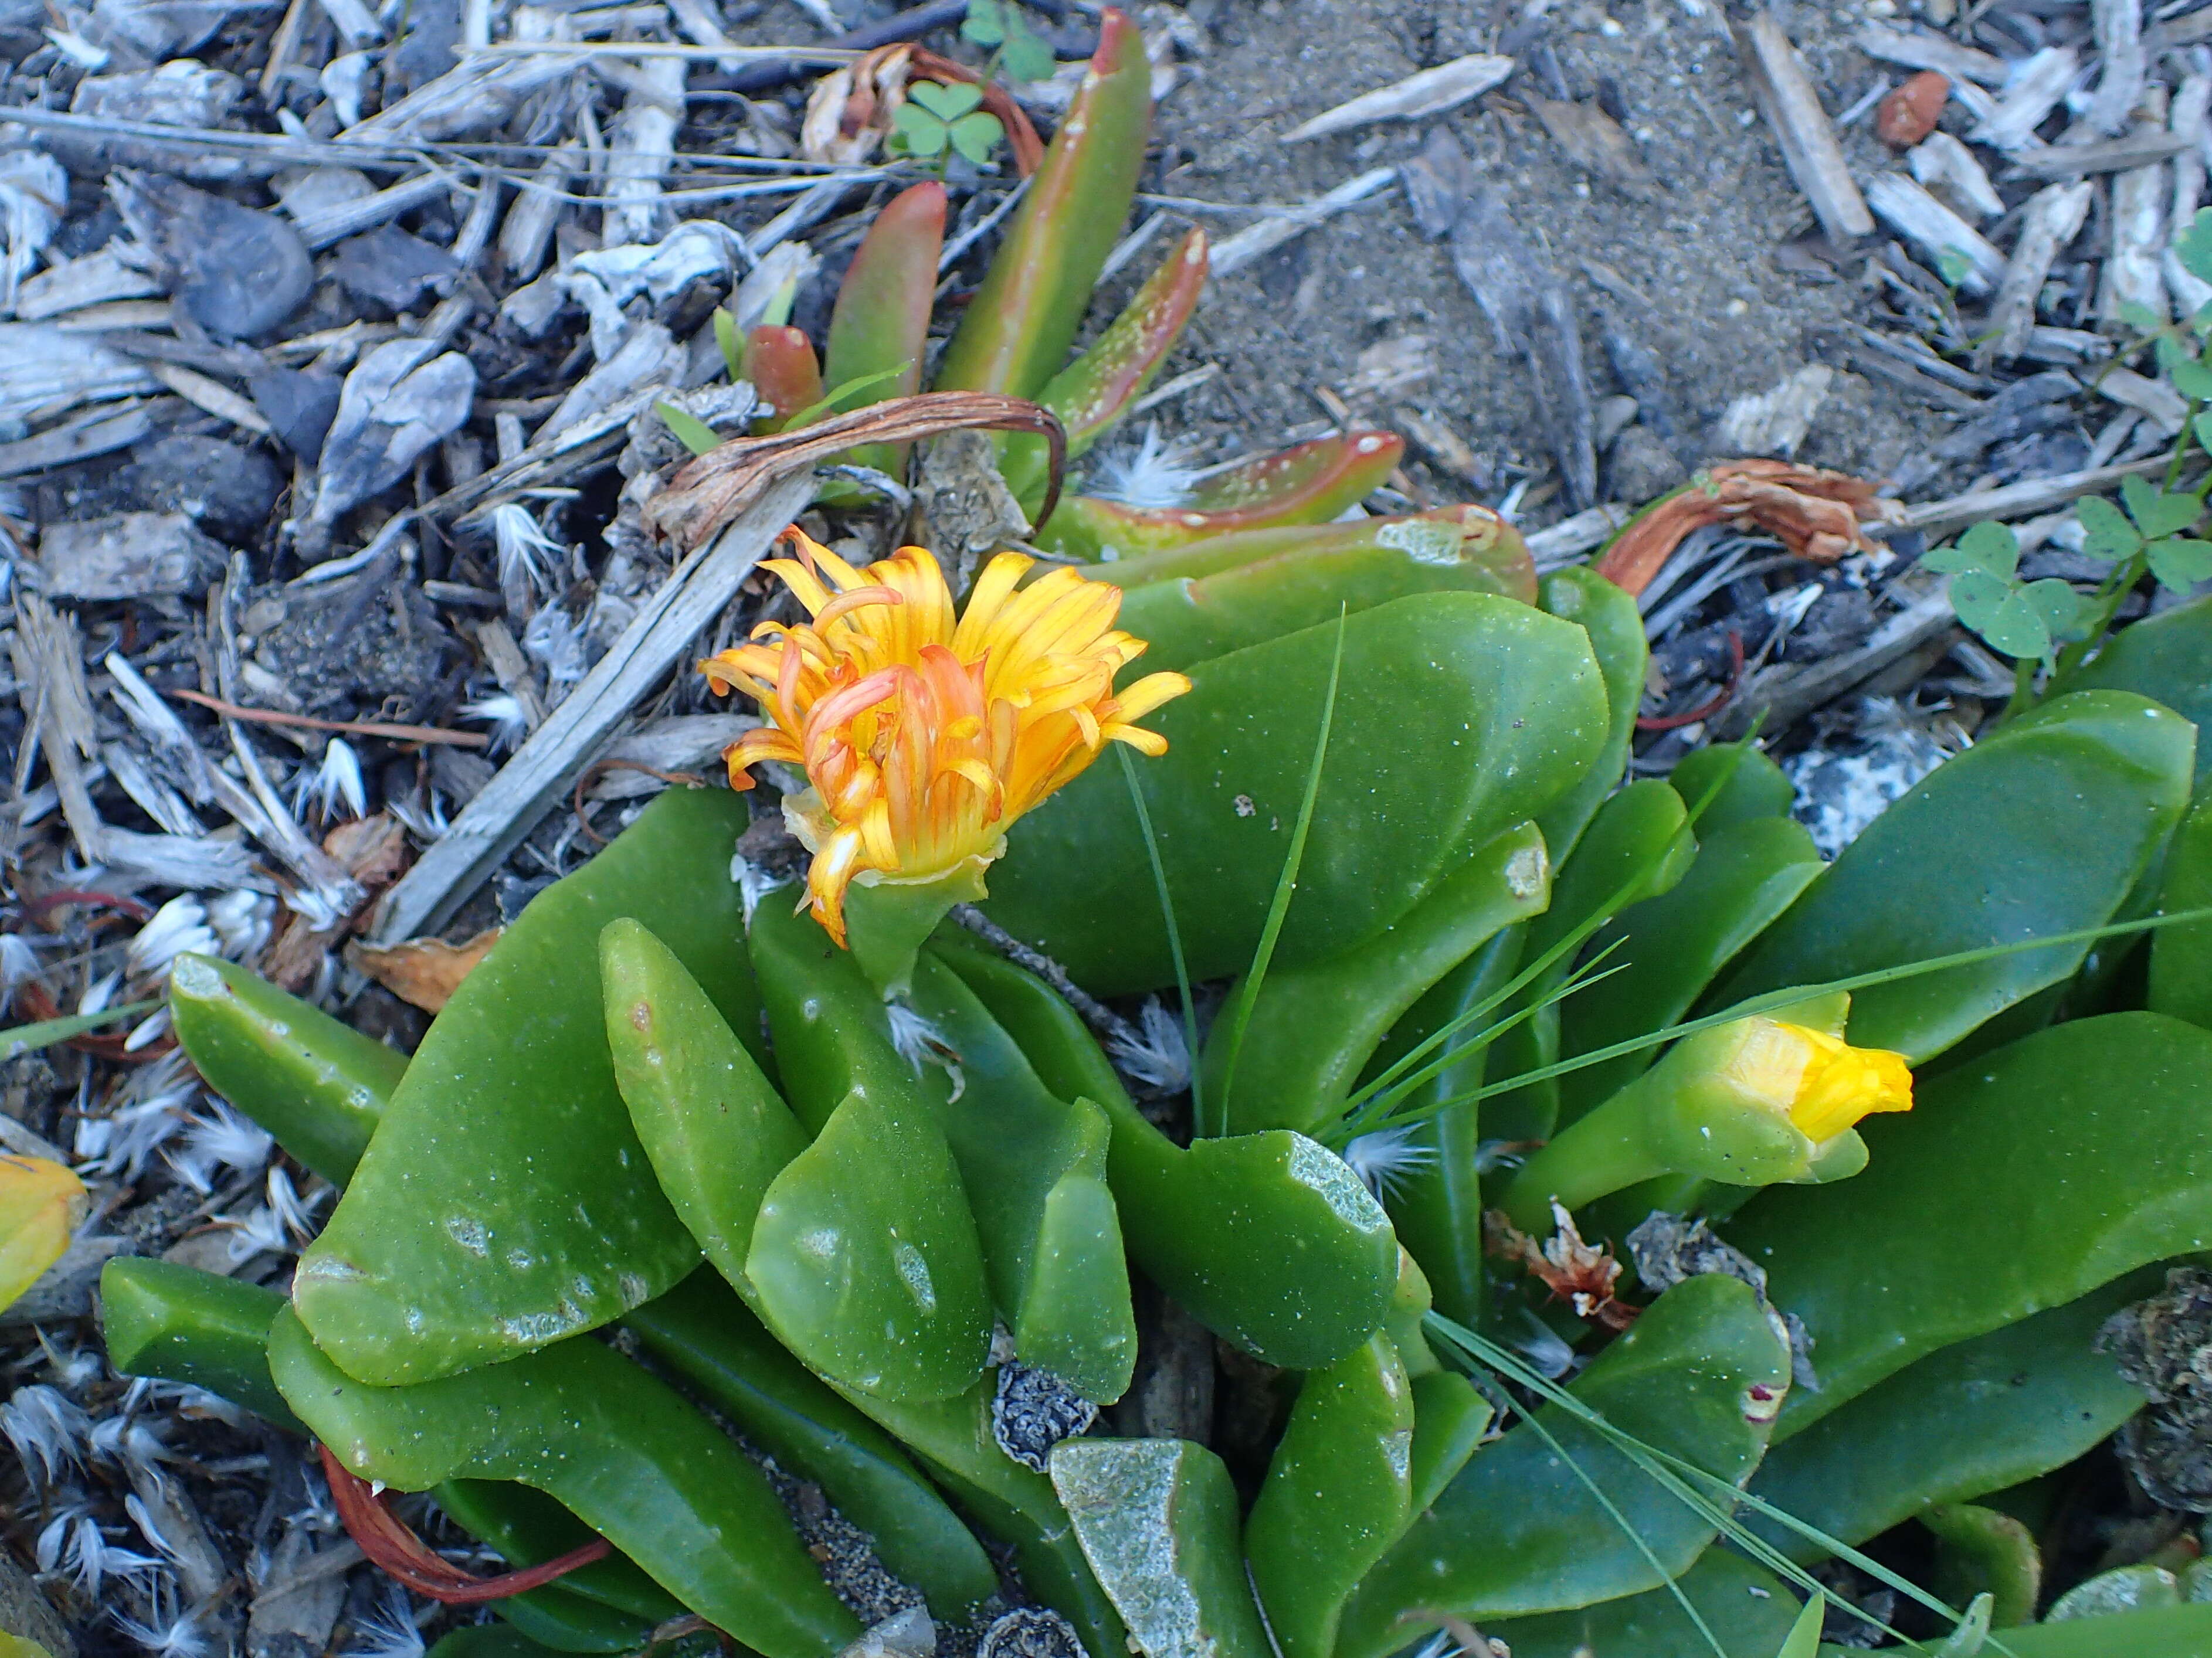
x: 1955, y: 265
x: 977, y: 136
x: 1987, y: 547
x: 2106, y: 531
x: 690, y: 431
x: 2179, y: 564
x: 2157, y: 512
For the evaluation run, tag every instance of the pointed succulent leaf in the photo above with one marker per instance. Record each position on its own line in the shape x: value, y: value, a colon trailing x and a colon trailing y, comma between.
x: 1017, y: 330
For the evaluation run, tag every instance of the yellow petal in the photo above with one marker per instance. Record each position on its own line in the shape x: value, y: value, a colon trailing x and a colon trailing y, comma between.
x: 41, y: 1206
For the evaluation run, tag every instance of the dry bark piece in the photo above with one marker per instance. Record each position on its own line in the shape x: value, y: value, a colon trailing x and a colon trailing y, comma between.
x: 1592, y: 139
x: 423, y: 972
x: 128, y: 555
x: 707, y: 493
x: 1791, y: 105
x: 1908, y: 114
x: 1430, y: 92
x: 1813, y: 513
x: 236, y: 270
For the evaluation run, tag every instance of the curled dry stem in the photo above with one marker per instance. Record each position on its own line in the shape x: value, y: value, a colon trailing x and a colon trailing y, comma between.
x: 1813, y: 513
x: 710, y: 490
x: 385, y: 1539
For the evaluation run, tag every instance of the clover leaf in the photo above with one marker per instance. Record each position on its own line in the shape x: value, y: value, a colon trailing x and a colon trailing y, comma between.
x: 937, y: 116
x: 2194, y: 246
x: 2181, y: 564
x: 999, y: 23
x: 1989, y: 549
x: 2021, y: 620
x: 2157, y: 513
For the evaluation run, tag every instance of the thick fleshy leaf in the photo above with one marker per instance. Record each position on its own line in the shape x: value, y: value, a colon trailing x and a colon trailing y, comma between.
x: 1610, y: 618
x: 2082, y: 795
x: 2166, y: 657
x: 1461, y: 715
x: 864, y: 1257
x: 1746, y: 1606
x: 1016, y: 329
x: 618, y: 1448
x: 1269, y: 1240
x: 1667, y: 949
x: 1092, y: 394
x: 1519, y: 1533
x: 1976, y: 1417
x: 1309, y: 484
x: 1313, y: 1028
x: 2097, y: 1128
x: 1034, y: 1167
x: 318, y: 1086
x: 881, y: 319
x: 780, y: 363
x: 1158, y: 1521
x: 702, y: 1332
x: 2181, y: 956
x: 1338, y: 1493
x: 504, y: 1201
x: 1336, y: 569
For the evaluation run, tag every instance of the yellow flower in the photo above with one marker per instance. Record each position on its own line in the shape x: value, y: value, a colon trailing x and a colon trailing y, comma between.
x: 924, y: 738
x: 1823, y: 1083
x: 41, y: 1206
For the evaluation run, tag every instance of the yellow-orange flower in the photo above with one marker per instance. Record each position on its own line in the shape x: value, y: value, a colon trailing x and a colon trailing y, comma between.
x: 925, y: 738
x: 1823, y: 1083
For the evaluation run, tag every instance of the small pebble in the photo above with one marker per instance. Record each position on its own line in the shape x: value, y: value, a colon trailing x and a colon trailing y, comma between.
x: 1908, y: 114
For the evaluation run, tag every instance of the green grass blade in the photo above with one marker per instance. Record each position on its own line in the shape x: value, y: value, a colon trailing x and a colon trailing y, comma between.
x: 1174, y: 933
x: 1239, y: 1012
x: 1375, y: 1113
x: 1392, y: 1079
x: 1613, y: 1513
x: 30, y: 1038
x: 1675, y: 1475
x: 1790, y: 995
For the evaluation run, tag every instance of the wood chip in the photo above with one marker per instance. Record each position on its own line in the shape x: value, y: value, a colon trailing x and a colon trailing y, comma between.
x: 2133, y: 276
x: 2118, y: 25
x: 423, y: 972
x: 1942, y: 163
x: 2157, y: 399
x: 2113, y: 155
x: 1257, y: 240
x: 1791, y: 105
x: 1935, y: 229
x: 1917, y: 50
x: 2052, y: 218
x: 1938, y: 519
x: 1429, y: 92
x: 1594, y: 140
x: 664, y: 633
x: 2032, y: 92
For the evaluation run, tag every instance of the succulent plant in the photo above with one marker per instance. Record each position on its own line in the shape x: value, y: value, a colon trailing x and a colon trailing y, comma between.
x: 837, y: 1173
